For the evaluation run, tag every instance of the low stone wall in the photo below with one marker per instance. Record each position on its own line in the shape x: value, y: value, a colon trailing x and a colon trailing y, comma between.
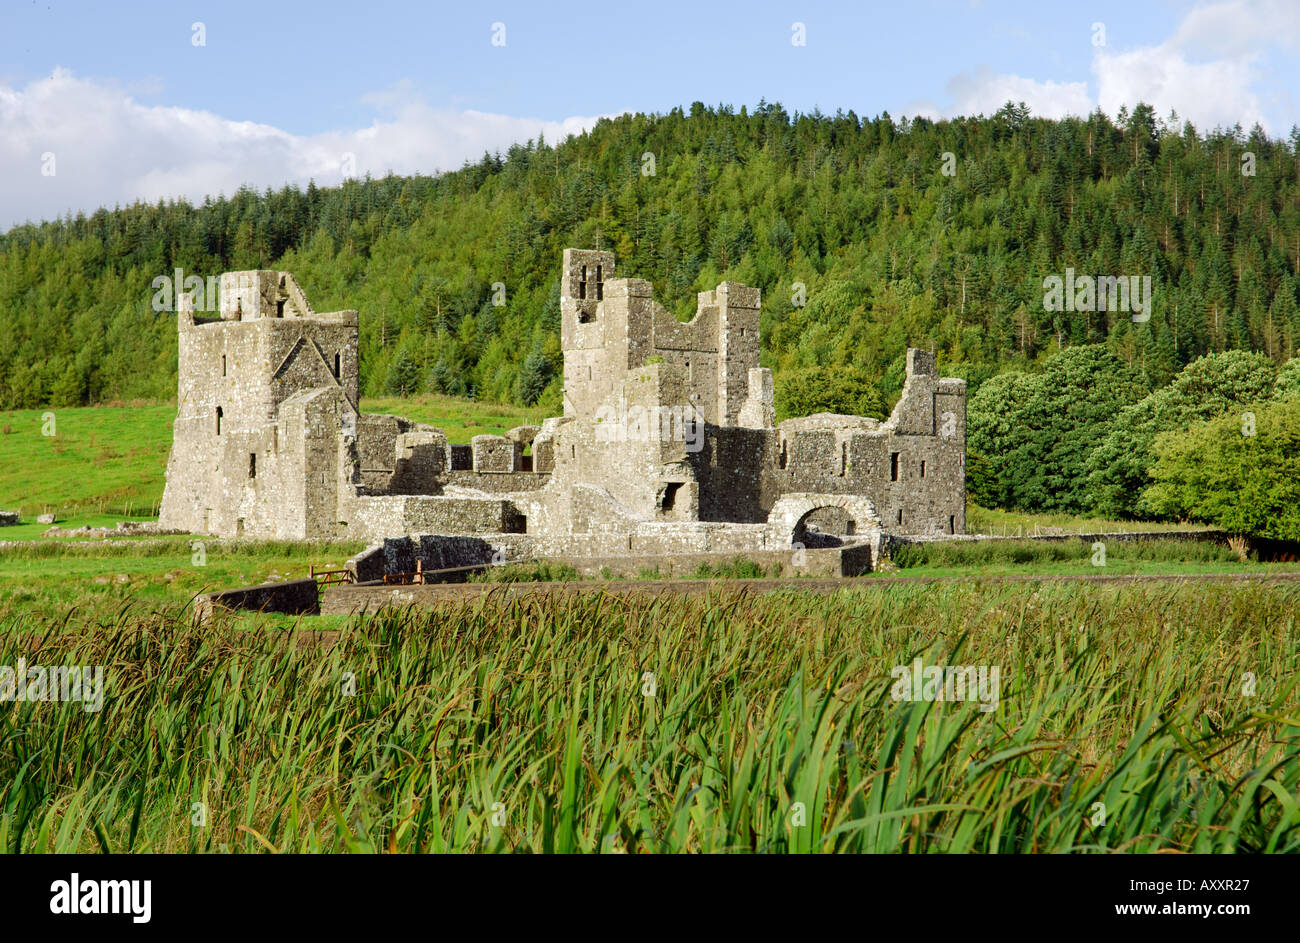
x: 374, y: 516
x: 671, y: 557
x: 499, y: 482
x: 348, y: 600
x: 824, y: 562
x: 292, y: 597
x: 433, y: 552
x: 368, y: 565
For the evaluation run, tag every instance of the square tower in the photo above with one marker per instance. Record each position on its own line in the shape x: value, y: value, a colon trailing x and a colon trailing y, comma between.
x: 582, y: 288
x: 587, y: 336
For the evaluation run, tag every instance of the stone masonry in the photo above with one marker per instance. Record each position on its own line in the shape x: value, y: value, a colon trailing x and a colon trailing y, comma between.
x: 667, y: 443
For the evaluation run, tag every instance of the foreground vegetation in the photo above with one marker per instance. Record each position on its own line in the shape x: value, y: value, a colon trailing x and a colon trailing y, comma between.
x: 1136, y: 719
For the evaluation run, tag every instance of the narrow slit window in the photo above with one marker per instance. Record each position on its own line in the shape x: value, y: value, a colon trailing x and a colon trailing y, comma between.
x: 582, y: 284
x: 252, y: 464
x: 844, y: 458
x: 670, y: 495
x: 219, y: 420
x: 900, y: 515
x: 223, y: 365
x: 600, y: 284
x: 922, y: 468
x: 893, y: 467
x: 338, y: 363
x: 783, y: 453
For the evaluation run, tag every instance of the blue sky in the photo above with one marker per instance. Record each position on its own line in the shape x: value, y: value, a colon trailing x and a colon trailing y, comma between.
x: 130, y: 107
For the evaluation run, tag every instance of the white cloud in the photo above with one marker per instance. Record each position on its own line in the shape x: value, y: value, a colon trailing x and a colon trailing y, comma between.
x: 984, y: 92
x: 108, y: 148
x: 1237, y: 27
x: 1215, y: 93
x: 1211, y: 70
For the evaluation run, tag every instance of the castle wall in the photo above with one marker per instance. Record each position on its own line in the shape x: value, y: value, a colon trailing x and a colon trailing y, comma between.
x: 667, y: 424
x: 233, y: 469
x: 913, y: 466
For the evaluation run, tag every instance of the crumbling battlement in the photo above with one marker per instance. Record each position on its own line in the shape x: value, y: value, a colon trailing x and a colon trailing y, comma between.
x: 667, y: 425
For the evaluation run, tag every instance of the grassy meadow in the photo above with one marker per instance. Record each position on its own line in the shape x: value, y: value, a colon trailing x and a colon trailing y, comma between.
x: 1019, y: 557
x: 87, y: 582
x: 1128, y: 719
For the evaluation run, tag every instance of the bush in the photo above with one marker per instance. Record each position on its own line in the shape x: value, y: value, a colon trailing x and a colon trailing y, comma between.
x: 845, y: 390
x: 1119, y: 468
x: 1039, y: 428
x: 1220, y: 473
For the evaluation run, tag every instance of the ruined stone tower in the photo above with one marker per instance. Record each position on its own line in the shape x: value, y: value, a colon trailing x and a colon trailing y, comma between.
x: 242, y: 440
x: 608, y: 326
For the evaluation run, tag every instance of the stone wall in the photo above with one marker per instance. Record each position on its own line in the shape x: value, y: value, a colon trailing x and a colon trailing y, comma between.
x: 227, y: 473
x: 293, y: 597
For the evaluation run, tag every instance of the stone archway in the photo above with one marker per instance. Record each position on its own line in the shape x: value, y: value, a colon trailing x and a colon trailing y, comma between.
x: 822, y: 520
x: 829, y: 526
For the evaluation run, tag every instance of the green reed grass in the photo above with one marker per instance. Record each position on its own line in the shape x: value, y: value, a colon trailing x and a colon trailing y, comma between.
x: 601, y: 723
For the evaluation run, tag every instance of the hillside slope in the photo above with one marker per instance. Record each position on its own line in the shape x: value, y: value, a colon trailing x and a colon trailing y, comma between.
x: 890, y: 250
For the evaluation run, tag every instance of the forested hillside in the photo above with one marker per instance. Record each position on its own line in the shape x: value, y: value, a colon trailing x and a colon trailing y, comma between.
x: 891, y: 250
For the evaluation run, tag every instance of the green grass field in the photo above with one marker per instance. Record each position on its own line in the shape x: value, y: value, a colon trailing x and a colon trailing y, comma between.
x: 91, y: 581
x: 1140, y: 719
x: 101, y: 462
x: 1013, y: 557
x: 461, y: 419
x: 1025, y: 524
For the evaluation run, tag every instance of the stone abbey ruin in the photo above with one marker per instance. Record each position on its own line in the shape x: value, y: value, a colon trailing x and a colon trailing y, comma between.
x: 667, y: 449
